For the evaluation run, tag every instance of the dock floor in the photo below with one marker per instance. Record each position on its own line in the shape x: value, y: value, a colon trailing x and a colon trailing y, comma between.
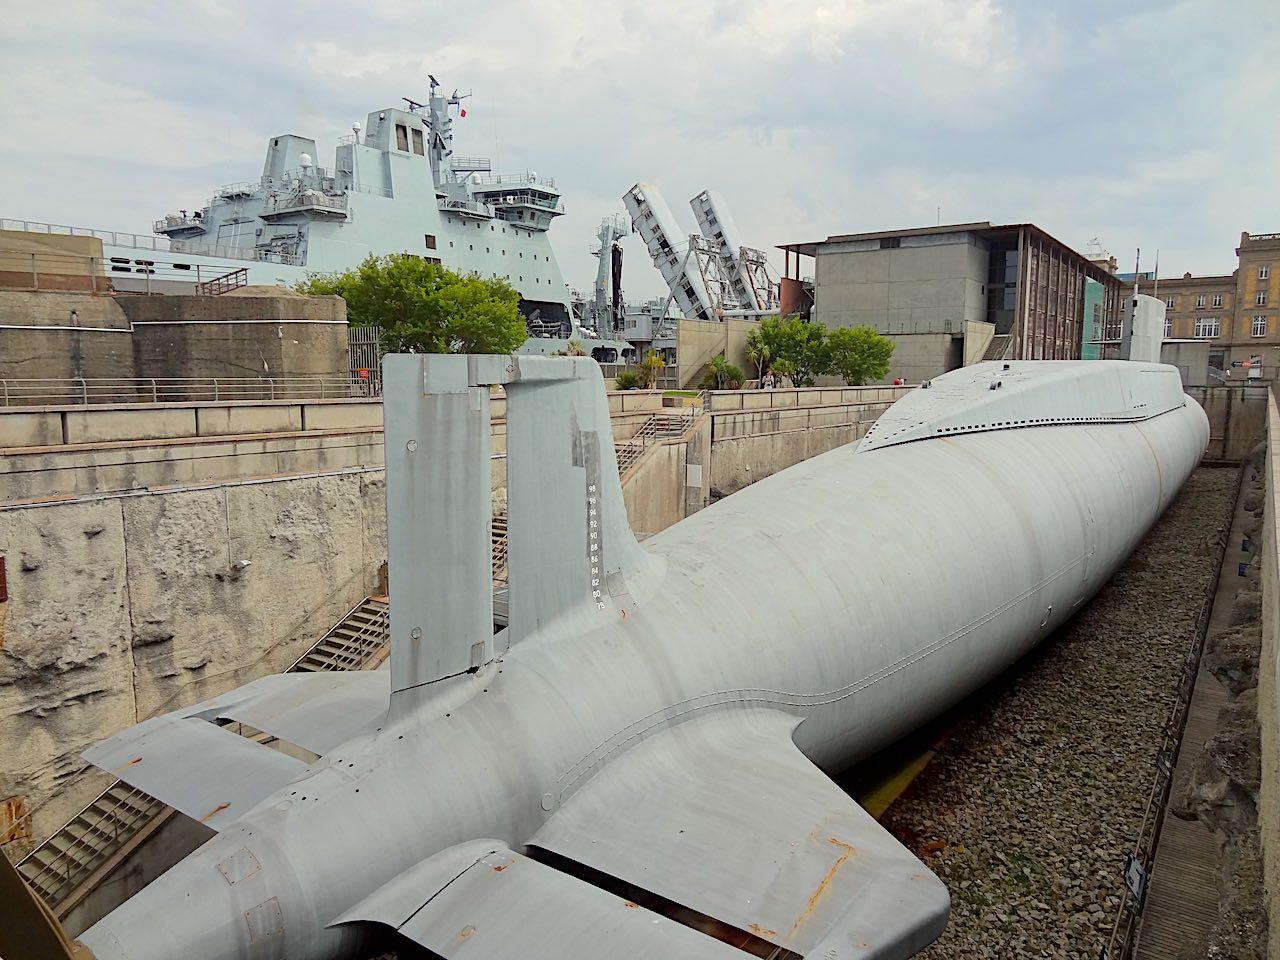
x: 1182, y: 895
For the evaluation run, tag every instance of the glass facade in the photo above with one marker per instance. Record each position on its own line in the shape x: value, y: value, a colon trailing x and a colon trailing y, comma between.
x: 1002, y: 287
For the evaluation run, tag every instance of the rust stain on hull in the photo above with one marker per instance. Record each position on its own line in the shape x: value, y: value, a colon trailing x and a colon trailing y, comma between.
x: 825, y: 883
x: 218, y: 809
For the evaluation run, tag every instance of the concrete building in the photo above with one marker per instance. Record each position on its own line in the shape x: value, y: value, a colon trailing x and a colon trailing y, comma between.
x: 1236, y: 312
x: 953, y: 295
x: 62, y: 320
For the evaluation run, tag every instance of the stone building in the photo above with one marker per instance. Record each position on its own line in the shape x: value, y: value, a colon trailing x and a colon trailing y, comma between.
x: 1236, y: 312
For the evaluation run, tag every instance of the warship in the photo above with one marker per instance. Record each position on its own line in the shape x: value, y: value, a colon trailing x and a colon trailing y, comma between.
x: 396, y: 185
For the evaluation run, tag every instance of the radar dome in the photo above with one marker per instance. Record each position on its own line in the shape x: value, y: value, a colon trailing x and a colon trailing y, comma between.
x: 355, y: 125
x: 304, y: 161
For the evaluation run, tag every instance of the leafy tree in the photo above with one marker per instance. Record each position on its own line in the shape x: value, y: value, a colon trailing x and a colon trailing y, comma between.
x: 758, y: 352
x: 649, y: 368
x: 783, y: 368
x: 800, y: 343
x: 421, y: 307
x: 858, y: 355
x: 723, y: 375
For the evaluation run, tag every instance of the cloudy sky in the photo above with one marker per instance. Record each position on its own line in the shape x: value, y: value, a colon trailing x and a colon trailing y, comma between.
x: 1141, y: 124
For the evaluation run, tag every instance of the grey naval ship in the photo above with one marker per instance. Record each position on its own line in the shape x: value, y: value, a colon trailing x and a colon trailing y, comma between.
x: 396, y: 185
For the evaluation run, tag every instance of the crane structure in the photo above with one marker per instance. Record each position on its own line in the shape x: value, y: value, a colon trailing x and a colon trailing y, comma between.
x: 711, y: 275
x: 606, y: 310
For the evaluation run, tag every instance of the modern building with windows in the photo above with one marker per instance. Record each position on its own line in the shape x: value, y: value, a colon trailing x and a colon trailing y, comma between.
x: 952, y: 295
x: 1237, y: 313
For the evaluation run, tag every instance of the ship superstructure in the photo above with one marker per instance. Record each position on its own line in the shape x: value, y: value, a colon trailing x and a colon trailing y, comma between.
x: 398, y: 186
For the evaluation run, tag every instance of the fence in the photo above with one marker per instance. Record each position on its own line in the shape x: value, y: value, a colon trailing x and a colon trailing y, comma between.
x: 85, y: 274
x: 52, y: 392
x: 364, y: 345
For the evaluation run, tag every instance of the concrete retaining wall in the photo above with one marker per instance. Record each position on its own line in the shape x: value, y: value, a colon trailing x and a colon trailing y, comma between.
x: 1237, y: 418
x: 64, y: 335
x: 125, y: 607
x: 747, y: 447
x: 1269, y: 681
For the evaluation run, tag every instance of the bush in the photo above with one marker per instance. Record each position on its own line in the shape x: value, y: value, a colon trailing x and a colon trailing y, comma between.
x: 723, y: 375
x: 627, y: 380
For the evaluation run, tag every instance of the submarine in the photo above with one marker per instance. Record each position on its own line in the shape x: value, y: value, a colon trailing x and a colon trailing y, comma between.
x: 640, y: 762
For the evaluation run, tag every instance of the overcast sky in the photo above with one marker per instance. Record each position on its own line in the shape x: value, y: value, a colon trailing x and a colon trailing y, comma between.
x: 1141, y: 124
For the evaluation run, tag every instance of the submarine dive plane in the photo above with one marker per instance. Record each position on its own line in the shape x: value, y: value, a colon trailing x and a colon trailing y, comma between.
x: 638, y: 764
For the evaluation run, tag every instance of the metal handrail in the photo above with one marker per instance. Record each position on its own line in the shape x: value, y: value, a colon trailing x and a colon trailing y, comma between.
x: 84, y: 391
x: 113, y: 237
x: 512, y: 179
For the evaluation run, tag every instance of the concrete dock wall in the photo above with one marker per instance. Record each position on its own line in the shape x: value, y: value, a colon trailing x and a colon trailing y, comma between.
x: 1269, y: 681
x: 1237, y: 417
x: 125, y: 607
x: 132, y: 603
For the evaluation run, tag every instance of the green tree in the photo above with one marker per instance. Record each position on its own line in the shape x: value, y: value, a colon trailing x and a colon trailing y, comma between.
x: 858, y: 355
x: 758, y: 352
x: 722, y: 375
x: 649, y: 367
x: 783, y: 368
x: 421, y: 307
x: 627, y: 380
x: 801, y: 343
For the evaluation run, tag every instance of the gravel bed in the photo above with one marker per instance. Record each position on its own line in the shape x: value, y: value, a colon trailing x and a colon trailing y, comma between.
x: 1030, y: 805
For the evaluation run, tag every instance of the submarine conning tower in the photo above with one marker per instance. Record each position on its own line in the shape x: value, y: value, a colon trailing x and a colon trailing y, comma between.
x: 1015, y: 395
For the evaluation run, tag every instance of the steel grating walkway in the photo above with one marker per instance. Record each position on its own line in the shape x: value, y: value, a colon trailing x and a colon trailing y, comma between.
x: 1181, y: 904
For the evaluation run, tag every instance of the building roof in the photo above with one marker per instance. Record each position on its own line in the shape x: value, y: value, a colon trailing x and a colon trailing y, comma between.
x: 1093, y: 270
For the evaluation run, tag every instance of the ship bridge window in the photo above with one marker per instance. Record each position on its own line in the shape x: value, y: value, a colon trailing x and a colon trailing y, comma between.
x: 402, y: 137
x: 417, y: 142
x: 430, y: 238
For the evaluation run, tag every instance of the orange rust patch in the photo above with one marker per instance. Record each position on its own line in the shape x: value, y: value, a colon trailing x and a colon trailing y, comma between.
x: 466, y: 932
x: 218, y: 809
x: 631, y: 906
x: 502, y: 866
x: 823, y: 886
x: 761, y: 931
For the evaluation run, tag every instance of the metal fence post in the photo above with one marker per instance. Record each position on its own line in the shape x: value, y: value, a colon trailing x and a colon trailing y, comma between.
x: 35, y: 277
x: 215, y: 388
x: 84, y: 391
x: 155, y: 398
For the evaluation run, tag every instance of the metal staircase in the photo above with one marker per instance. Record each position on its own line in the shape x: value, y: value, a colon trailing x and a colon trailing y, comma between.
x: 498, y: 537
x: 64, y: 868
x: 94, y: 840
x: 660, y: 426
x: 356, y: 639
x: 91, y: 838
x: 998, y: 348
x: 99, y: 836
x: 223, y: 284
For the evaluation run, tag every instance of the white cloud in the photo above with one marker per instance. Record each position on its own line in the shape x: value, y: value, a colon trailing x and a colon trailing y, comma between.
x: 1145, y: 126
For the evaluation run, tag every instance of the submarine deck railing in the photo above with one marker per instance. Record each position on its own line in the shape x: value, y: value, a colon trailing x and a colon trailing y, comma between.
x: 1137, y: 866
